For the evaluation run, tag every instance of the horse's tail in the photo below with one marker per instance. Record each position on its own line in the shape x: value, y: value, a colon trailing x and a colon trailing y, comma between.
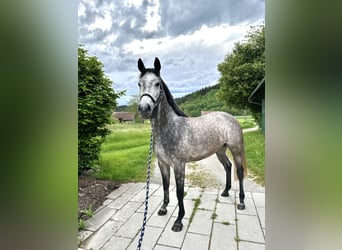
x: 243, y: 161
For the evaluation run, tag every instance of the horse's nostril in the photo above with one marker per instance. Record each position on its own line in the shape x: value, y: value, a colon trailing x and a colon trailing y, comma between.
x: 144, y: 108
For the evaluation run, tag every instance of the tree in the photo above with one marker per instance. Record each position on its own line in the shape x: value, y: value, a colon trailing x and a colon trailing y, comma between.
x: 96, y: 101
x: 242, y: 70
x: 133, y: 107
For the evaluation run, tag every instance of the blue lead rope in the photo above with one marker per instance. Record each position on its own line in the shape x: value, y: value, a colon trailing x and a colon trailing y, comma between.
x: 142, y: 231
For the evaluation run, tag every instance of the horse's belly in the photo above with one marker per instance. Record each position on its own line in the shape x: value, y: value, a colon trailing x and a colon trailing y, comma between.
x: 202, y: 152
x: 185, y: 154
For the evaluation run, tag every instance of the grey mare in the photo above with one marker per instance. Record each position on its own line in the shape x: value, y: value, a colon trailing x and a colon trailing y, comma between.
x: 179, y: 139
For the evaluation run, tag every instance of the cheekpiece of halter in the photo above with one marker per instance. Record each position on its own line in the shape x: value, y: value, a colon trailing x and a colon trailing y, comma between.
x: 156, y: 104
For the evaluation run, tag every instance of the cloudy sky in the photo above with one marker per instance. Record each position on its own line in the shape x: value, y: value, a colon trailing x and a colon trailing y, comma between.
x: 190, y: 37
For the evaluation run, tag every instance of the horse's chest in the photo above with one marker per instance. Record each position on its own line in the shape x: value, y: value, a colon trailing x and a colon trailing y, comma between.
x: 167, y: 153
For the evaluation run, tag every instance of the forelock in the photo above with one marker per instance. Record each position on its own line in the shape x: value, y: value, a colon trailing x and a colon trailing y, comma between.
x: 150, y: 71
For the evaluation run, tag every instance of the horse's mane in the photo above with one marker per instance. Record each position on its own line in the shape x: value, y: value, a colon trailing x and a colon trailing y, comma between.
x: 172, y: 101
x: 167, y: 92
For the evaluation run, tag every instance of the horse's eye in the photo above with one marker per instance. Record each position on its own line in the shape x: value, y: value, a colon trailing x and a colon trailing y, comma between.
x: 139, y: 84
x: 157, y: 84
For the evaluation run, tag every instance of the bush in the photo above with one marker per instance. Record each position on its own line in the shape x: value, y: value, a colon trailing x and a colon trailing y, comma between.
x: 96, y: 102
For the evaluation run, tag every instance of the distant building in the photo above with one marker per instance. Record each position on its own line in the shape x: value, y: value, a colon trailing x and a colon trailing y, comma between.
x: 124, y: 116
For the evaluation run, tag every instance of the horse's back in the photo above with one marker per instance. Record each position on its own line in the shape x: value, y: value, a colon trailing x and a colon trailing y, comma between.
x: 217, y: 126
x: 222, y: 120
x: 226, y: 126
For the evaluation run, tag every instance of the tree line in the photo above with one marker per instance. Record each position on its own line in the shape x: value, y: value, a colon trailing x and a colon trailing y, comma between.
x: 204, y: 99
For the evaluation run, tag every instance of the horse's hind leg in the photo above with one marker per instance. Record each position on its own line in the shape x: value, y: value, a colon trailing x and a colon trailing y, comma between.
x: 239, y: 171
x: 165, y: 172
x: 221, y: 155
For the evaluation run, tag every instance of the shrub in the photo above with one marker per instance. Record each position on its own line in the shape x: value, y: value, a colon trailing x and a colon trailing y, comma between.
x: 96, y: 102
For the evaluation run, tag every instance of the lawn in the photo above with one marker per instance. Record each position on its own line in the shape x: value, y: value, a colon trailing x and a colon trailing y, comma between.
x: 125, y: 151
x: 246, y: 122
x: 255, y: 154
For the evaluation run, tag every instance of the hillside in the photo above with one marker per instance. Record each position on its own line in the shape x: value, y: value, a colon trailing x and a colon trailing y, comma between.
x: 203, y: 99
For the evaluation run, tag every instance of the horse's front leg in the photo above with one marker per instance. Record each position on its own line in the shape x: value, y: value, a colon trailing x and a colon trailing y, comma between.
x: 165, y: 172
x: 179, y: 171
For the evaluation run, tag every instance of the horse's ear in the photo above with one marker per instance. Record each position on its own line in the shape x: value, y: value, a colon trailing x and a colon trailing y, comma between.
x: 141, y: 66
x: 157, y: 66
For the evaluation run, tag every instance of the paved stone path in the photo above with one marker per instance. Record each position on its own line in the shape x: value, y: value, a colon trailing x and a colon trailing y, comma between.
x: 216, y: 223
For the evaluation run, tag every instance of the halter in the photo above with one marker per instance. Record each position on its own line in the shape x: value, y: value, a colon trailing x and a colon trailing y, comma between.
x: 155, y: 102
x: 148, y: 95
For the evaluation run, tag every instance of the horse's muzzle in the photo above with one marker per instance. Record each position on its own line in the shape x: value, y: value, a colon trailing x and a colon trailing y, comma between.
x: 146, y: 105
x: 145, y: 110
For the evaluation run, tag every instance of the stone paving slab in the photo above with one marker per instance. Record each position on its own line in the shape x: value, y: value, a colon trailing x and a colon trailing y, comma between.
x: 173, y: 239
x: 196, y: 241
x: 216, y: 223
x: 249, y: 228
x: 202, y: 222
x: 101, y: 236
x: 117, y: 243
x: 225, y: 213
x: 151, y: 237
x: 161, y: 221
x: 223, y: 237
x: 99, y: 218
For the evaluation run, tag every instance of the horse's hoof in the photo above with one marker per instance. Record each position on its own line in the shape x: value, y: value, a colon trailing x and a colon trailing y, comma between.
x: 241, y: 206
x: 177, y: 227
x: 162, y: 211
x: 225, y: 194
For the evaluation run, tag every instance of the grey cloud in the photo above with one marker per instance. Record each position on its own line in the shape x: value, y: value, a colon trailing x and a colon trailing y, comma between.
x: 182, y: 17
x: 122, y: 17
x: 186, y: 68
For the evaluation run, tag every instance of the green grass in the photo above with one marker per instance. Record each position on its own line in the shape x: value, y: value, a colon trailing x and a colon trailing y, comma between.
x: 81, y: 224
x: 247, y: 122
x: 88, y: 212
x: 124, y: 153
x: 214, y: 216
x: 255, y: 154
x: 196, y: 204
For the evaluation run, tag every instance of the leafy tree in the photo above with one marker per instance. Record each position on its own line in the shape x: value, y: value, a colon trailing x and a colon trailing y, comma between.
x: 242, y: 70
x: 96, y: 101
x: 133, y: 107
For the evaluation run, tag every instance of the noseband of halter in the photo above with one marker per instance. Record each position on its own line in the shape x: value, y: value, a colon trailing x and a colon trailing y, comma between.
x: 155, y: 102
x: 148, y: 95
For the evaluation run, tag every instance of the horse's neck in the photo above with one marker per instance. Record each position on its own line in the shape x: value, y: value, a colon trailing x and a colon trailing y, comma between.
x: 166, y: 116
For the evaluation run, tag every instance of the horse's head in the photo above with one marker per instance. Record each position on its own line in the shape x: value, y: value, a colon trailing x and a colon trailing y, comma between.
x: 150, y: 88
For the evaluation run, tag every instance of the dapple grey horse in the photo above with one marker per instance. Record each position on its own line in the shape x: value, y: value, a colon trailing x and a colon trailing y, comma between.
x: 179, y: 139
